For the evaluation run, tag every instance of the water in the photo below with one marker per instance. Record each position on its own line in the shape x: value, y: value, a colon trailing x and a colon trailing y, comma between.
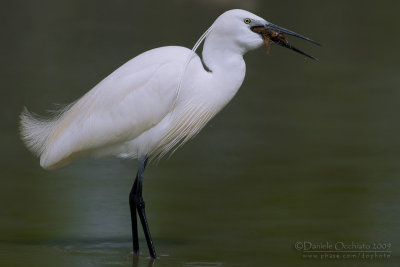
x: 305, y: 152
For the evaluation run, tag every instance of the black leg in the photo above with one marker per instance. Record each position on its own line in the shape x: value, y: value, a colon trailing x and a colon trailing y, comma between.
x: 136, y: 203
x: 132, y: 205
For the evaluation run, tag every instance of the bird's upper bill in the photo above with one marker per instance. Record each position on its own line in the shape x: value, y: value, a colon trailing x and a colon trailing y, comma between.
x: 274, y: 33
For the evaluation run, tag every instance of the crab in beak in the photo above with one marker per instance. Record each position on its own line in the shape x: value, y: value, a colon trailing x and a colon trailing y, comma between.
x: 276, y: 34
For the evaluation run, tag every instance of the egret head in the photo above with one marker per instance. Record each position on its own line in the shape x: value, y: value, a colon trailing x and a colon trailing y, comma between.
x: 233, y: 29
x: 243, y: 31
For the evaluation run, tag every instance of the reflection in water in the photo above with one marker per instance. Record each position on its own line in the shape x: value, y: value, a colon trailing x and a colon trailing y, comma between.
x: 96, y: 248
x: 151, y: 262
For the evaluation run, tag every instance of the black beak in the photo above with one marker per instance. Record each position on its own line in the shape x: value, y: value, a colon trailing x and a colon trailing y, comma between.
x: 269, y: 27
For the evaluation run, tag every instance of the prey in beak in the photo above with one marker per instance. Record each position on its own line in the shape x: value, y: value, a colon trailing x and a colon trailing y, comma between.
x: 276, y: 34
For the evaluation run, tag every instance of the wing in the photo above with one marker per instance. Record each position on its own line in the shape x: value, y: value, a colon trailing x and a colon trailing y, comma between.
x: 129, y: 101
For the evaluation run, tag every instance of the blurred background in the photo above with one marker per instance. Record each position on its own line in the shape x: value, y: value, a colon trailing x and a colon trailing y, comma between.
x: 306, y: 151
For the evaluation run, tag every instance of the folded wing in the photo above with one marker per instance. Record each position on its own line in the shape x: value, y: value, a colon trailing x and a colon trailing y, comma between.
x: 129, y: 101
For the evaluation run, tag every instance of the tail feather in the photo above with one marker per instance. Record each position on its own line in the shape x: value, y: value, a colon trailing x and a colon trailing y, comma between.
x: 35, y: 131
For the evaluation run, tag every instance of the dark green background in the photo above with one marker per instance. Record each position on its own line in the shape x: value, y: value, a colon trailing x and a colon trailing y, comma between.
x: 307, y: 151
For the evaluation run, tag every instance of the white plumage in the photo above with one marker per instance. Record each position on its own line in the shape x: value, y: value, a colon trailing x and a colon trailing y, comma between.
x: 130, y: 101
x: 137, y: 109
x: 158, y: 100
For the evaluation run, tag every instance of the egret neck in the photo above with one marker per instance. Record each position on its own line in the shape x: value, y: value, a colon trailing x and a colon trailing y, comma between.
x: 224, y: 59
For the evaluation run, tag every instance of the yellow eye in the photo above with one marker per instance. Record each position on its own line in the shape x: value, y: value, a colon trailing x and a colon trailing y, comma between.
x: 247, y: 21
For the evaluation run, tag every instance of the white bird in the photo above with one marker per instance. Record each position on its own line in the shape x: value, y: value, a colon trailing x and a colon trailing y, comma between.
x: 154, y: 103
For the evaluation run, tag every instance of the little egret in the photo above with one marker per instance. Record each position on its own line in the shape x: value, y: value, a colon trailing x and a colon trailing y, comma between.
x: 154, y: 103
